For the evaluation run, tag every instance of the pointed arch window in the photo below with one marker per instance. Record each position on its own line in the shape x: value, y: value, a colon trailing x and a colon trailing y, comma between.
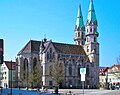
x: 50, y: 53
x: 87, y: 70
x: 25, y: 67
x: 94, y: 39
x: 70, y: 69
x: 95, y: 30
x: 79, y: 70
x: 78, y: 34
x: 82, y: 43
x: 87, y: 48
x: 87, y: 29
x: 90, y: 29
x: 47, y: 55
x: 50, y: 50
x: 34, y: 63
x: 50, y: 70
x: 82, y: 35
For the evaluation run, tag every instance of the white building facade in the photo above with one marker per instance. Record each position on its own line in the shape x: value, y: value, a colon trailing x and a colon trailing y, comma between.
x: 6, y: 71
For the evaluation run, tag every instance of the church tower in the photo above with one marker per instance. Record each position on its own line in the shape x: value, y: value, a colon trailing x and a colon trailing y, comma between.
x: 92, y: 46
x: 79, y: 29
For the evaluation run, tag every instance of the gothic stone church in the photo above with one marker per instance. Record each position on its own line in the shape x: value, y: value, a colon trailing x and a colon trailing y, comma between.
x: 84, y: 53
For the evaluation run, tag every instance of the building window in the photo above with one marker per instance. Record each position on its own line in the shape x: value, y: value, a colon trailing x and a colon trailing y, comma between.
x: 53, y: 55
x: 87, y: 48
x: 70, y: 83
x: 47, y: 55
x: 87, y: 30
x: 50, y: 70
x: 70, y: 69
x: 87, y: 39
x: 25, y: 64
x: 78, y: 34
x: 34, y: 63
x: 75, y: 34
x: 82, y: 35
x: 50, y: 83
x: 79, y: 70
x: 73, y: 60
x: 94, y: 39
x: 94, y: 29
x: 50, y: 50
x: 25, y: 68
x: 82, y: 43
x: 90, y: 29
x: 87, y: 70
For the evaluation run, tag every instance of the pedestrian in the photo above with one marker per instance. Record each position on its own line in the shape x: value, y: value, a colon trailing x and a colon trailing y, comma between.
x: 6, y: 86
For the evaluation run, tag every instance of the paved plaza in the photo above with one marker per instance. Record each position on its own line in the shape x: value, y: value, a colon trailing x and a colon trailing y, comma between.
x: 87, y: 92
x: 62, y: 92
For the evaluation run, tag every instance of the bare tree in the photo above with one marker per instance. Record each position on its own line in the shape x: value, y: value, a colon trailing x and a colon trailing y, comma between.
x: 35, y: 76
x: 56, y: 71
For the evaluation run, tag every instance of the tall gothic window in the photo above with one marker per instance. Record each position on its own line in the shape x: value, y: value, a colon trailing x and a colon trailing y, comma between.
x: 94, y: 39
x: 34, y: 63
x: 87, y: 48
x: 47, y: 55
x: 70, y: 69
x: 25, y: 67
x: 79, y: 70
x: 50, y: 53
x: 50, y: 70
x: 78, y: 34
x: 94, y: 29
x: 87, y: 30
x: 82, y: 35
x: 87, y: 70
x: 90, y: 29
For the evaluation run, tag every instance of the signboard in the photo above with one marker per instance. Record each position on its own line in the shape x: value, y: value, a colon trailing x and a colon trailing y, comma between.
x: 82, y: 72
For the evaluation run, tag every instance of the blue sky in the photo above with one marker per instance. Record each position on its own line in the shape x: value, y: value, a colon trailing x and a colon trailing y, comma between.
x: 22, y: 20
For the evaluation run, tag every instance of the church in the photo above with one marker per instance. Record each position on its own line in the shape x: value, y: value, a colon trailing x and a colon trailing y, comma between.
x: 84, y: 53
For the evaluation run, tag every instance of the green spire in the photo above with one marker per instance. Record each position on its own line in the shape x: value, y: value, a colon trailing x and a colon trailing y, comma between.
x: 79, y: 21
x: 91, y: 13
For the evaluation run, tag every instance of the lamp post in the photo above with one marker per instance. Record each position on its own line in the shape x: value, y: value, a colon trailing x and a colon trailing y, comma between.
x: 11, y: 79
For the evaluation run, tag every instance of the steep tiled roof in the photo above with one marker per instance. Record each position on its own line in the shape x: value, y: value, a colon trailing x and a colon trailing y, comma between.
x: 8, y: 64
x: 68, y: 48
x: 33, y: 46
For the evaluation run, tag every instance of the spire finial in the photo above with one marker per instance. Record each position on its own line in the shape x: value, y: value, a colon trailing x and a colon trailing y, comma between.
x: 79, y: 21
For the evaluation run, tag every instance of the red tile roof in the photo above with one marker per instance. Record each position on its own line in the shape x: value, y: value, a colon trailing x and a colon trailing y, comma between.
x: 8, y: 64
x: 118, y: 66
x: 103, y: 70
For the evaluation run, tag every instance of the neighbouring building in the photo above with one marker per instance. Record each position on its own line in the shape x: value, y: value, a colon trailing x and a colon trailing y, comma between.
x: 114, y: 74
x: 84, y: 53
x: 8, y: 68
x: 103, y: 76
